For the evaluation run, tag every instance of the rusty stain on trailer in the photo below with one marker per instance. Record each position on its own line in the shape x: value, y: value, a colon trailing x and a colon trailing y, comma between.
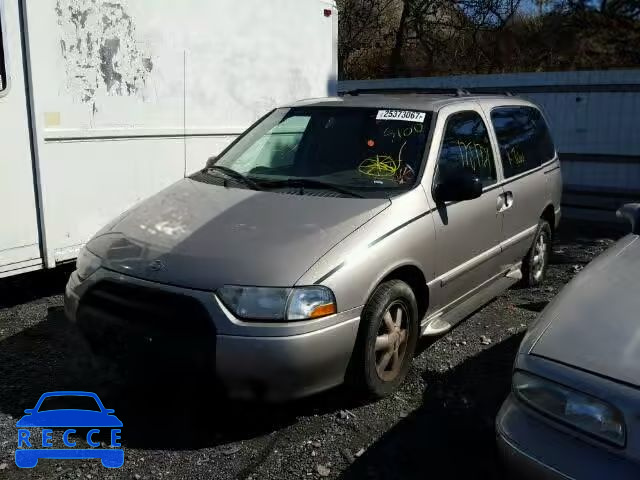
x: 101, y: 52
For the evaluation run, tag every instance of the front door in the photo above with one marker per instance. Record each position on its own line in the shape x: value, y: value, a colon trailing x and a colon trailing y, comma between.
x: 468, y: 233
x: 19, y: 240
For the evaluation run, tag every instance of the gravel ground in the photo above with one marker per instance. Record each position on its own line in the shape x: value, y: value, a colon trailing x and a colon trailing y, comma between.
x: 439, y: 424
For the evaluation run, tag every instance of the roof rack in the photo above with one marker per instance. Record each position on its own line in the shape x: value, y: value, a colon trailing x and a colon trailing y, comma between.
x: 490, y: 91
x: 458, y: 92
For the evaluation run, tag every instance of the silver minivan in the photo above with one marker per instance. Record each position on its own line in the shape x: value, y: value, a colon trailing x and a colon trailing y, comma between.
x: 320, y: 245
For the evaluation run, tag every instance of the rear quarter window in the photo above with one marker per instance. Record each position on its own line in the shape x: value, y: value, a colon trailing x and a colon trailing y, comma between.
x: 524, y: 138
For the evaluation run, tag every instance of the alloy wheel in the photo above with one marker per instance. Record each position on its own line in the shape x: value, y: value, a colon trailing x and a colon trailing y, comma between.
x: 539, y: 256
x: 391, y: 342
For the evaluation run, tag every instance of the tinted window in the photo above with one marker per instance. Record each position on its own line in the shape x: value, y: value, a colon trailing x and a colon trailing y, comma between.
x: 466, y: 145
x: 524, y: 138
x: 368, y: 150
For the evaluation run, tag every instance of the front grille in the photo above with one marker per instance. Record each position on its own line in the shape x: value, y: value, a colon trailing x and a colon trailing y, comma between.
x: 125, y: 321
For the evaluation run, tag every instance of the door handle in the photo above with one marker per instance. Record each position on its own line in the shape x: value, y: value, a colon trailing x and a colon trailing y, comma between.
x: 509, y: 199
x: 505, y: 201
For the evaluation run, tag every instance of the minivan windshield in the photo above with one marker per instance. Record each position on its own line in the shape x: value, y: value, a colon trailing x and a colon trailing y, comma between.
x: 371, y: 152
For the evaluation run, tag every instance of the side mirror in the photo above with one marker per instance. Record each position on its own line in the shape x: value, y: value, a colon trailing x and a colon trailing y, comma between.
x: 29, y: 411
x: 211, y: 161
x: 109, y: 411
x: 631, y: 211
x: 457, y: 186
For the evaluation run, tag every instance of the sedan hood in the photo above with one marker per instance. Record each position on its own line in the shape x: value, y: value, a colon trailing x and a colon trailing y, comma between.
x: 594, y: 324
x: 203, y: 236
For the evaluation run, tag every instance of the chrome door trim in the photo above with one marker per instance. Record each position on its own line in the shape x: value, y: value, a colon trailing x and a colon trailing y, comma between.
x: 454, y: 303
x: 478, y: 260
x: 469, y: 265
x: 519, y: 237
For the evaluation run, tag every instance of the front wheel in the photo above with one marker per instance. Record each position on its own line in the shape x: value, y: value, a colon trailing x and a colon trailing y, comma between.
x: 535, y: 264
x: 386, y: 340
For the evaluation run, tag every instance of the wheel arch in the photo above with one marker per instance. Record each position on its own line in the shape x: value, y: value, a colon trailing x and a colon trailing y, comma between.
x: 549, y: 215
x: 412, y: 275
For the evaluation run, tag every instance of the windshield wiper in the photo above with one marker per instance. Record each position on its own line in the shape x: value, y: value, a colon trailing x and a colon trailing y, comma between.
x: 310, y: 183
x: 237, y: 176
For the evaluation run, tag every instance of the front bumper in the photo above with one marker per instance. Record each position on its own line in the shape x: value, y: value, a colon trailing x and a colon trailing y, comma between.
x: 272, y: 362
x: 282, y: 368
x: 531, y: 449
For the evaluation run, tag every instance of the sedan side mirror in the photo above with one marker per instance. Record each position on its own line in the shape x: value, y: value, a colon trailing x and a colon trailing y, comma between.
x: 458, y: 185
x: 211, y: 161
x: 29, y: 411
x: 631, y: 211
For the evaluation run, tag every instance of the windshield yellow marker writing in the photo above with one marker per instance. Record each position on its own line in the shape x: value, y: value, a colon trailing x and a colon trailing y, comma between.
x: 382, y: 165
x: 400, y: 133
x: 474, y: 155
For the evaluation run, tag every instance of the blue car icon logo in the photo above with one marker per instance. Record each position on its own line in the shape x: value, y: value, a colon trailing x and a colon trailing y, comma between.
x: 68, y: 411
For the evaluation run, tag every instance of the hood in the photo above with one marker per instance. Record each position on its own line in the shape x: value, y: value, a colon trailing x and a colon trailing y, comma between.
x: 594, y: 323
x: 203, y: 236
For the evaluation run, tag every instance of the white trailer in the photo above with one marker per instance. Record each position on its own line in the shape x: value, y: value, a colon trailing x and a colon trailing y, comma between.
x: 105, y: 102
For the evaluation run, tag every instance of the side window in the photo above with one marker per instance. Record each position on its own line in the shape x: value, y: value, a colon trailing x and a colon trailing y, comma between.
x: 3, y: 67
x: 524, y: 138
x: 466, y: 145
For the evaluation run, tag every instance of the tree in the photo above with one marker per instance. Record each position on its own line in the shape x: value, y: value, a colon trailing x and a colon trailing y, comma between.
x: 382, y: 38
x: 364, y: 25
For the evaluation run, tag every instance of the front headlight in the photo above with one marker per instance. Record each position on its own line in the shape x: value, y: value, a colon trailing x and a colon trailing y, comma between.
x: 278, y: 304
x: 86, y: 264
x: 577, y: 409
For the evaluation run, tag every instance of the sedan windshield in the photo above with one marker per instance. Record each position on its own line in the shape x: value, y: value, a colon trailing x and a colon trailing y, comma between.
x: 367, y: 151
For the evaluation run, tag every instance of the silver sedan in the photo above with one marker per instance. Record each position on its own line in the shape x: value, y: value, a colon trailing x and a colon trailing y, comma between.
x: 574, y: 410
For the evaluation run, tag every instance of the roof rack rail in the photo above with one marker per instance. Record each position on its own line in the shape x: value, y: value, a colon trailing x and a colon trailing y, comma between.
x: 490, y: 91
x: 458, y: 92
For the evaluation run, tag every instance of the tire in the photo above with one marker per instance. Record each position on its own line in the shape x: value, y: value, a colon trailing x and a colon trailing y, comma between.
x: 367, y: 373
x: 536, y: 262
